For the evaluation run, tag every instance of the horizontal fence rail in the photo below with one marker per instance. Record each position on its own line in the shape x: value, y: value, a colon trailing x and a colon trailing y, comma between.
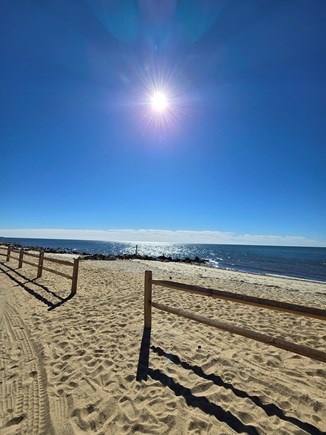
x: 284, y: 307
x: 40, y: 264
x: 270, y: 304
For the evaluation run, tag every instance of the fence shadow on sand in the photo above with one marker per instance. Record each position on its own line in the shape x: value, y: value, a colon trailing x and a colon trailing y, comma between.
x: 31, y: 286
x: 144, y: 371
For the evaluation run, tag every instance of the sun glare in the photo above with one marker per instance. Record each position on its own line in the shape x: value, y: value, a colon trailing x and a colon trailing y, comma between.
x: 159, y: 102
x: 160, y: 99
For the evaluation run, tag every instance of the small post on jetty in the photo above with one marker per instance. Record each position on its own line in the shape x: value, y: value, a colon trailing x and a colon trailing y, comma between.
x: 8, y: 253
x: 40, y: 264
x: 74, y: 277
x: 136, y: 249
x: 148, y: 299
x: 21, y: 255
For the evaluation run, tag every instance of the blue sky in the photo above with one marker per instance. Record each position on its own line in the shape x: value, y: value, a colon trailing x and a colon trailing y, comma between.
x: 240, y: 151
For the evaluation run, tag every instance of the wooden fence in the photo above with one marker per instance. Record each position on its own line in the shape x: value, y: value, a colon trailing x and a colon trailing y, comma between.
x: 283, y: 307
x: 40, y: 264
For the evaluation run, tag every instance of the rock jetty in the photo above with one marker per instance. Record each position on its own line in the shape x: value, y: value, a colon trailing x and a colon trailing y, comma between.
x: 90, y: 256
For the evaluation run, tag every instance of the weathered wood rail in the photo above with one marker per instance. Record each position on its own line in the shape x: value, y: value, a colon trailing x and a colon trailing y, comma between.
x: 20, y: 257
x: 284, y: 307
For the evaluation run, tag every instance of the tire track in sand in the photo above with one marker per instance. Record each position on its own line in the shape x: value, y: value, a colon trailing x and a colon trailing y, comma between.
x: 24, y: 405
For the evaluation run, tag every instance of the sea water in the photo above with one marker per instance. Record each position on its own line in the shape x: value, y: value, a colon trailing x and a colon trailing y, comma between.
x: 296, y: 262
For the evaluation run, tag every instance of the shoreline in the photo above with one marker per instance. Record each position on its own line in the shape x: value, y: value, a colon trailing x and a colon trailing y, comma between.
x: 106, y: 257
x: 195, y: 261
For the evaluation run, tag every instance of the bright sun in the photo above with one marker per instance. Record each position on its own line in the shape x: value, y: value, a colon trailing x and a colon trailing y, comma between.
x: 159, y: 102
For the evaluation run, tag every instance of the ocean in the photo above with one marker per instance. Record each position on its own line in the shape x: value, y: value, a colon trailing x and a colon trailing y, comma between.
x: 295, y: 262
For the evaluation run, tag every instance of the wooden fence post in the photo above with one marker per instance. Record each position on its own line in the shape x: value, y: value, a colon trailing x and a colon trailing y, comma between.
x: 40, y: 264
x: 75, y: 277
x: 21, y: 254
x: 148, y: 299
x: 8, y: 253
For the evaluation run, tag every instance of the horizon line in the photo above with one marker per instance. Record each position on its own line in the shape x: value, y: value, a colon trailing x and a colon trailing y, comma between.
x: 163, y: 236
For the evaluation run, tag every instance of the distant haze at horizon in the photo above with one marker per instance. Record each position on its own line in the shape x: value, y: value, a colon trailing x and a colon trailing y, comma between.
x: 167, y: 236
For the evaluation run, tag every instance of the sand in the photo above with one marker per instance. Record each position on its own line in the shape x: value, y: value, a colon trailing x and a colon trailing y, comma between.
x: 73, y: 370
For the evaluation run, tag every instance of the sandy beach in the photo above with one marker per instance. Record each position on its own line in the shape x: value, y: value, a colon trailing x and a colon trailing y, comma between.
x: 80, y: 368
